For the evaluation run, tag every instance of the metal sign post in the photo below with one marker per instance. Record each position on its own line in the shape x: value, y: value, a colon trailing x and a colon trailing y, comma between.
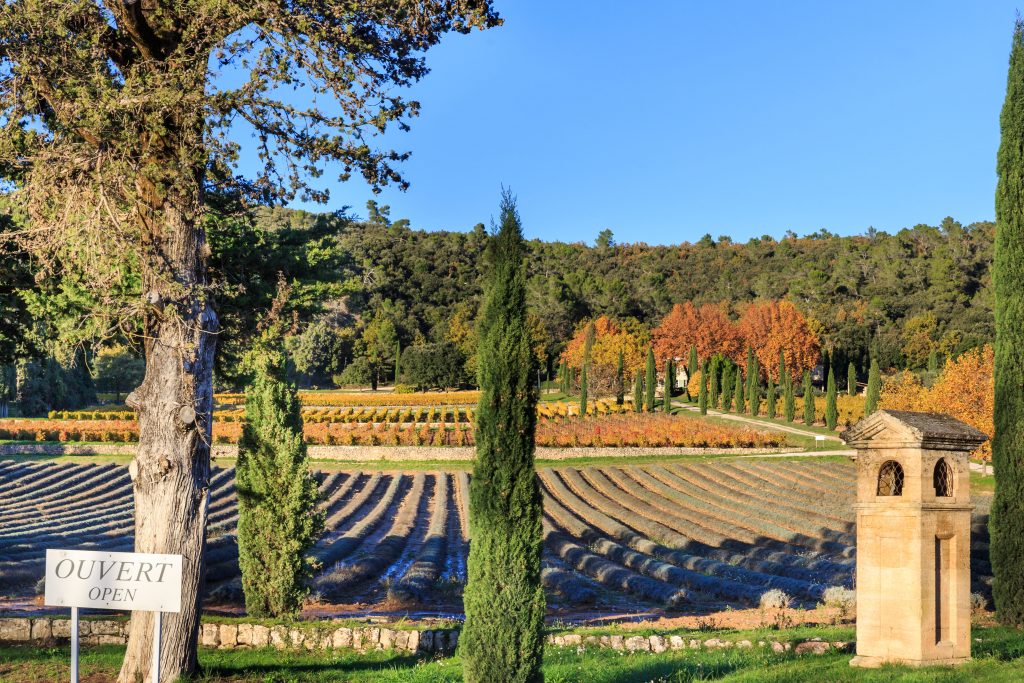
x: 113, y: 581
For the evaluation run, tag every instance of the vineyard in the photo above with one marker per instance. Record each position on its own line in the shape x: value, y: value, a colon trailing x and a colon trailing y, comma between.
x: 438, y: 427
x: 621, y: 539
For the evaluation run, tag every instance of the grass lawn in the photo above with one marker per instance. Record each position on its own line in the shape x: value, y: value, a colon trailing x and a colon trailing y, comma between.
x: 997, y: 657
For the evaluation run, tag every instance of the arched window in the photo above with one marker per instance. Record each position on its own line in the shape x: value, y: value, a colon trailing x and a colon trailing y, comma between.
x: 942, y: 479
x: 890, y: 479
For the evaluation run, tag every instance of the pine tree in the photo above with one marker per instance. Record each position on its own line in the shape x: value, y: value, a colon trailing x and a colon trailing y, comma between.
x: 738, y: 392
x: 788, y: 399
x: 702, y: 394
x: 1006, y: 524
x: 772, y: 408
x: 691, y: 369
x: 851, y: 379
x: 754, y: 388
x: 502, y: 639
x: 638, y: 392
x: 650, y: 382
x: 620, y: 383
x: 583, y: 391
x: 809, y: 408
x: 278, y: 521
x: 874, y: 392
x: 831, y: 410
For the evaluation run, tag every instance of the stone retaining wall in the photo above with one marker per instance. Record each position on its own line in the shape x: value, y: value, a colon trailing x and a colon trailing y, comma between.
x: 324, y: 635
x: 393, y: 453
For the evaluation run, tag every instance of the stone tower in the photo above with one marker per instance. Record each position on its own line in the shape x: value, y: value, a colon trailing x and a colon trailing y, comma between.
x: 913, y: 538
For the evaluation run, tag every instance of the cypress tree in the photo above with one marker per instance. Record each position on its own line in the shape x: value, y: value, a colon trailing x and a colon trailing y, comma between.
x: 788, y: 399
x: 771, y: 407
x: 783, y: 375
x: 502, y: 639
x: 583, y: 391
x: 692, y: 368
x: 738, y: 392
x: 727, y: 387
x: 666, y: 400
x: 754, y: 389
x: 851, y: 379
x: 650, y: 382
x: 278, y: 519
x: 716, y: 380
x: 620, y: 383
x: 1006, y: 524
x: 638, y: 392
x: 398, y: 360
x: 874, y: 392
x: 933, y: 362
x: 702, y: 394
x: 808, y: 399
x: 749, y: 369
x: 831, y: 410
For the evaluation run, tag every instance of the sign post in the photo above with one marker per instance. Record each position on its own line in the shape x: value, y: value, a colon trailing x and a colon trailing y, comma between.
x: 114, y: 581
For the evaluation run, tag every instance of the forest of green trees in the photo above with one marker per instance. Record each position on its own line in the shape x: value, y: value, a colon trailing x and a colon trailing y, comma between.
x: 364, y: 290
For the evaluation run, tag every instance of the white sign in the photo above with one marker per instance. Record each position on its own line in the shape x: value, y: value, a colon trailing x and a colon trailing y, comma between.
x: 101, y: 580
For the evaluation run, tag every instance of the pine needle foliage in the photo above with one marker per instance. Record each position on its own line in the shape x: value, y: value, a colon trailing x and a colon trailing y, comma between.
x: 502, y: 640
x: 1006, y: 524
x: 278, y: 520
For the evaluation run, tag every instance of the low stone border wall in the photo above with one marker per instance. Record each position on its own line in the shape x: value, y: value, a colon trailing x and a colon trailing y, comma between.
x: 324, y: 636
x: 396, y: 453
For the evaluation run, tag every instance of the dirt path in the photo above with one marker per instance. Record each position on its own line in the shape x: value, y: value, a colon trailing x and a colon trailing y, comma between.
x: 758, y: 423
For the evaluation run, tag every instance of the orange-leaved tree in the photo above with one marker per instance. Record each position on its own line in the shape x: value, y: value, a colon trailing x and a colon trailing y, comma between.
x: 708, y: 328
x: 610, y: 337
x: 771, y: 327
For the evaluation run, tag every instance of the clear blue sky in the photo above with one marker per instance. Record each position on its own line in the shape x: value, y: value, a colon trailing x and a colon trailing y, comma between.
x: 729, y: 118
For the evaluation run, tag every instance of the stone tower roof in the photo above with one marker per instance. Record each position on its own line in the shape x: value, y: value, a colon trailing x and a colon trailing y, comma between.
x: 903, y: 428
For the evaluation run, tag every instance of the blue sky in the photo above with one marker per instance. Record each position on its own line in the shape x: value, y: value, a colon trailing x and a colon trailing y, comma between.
x: 686, y: 118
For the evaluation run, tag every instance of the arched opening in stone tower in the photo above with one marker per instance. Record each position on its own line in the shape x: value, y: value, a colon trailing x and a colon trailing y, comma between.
x: 942, y: 479
x: 890, y: 479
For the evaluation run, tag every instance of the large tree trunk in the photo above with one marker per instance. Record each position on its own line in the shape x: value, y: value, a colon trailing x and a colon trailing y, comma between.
x: 170, y: 472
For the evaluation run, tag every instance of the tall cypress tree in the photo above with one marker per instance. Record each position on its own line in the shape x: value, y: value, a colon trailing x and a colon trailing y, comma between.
x: 583, y: 391
x: 788, y: 399
x: 771, y: 407
x: 851, y: 379
x: 874, y: 391
x: 666, y: 399
x: 398, y: 360
x: 783, y: 375
x: 693, y: 366
x: 702, y: 394
x: 831, y: 409
x: 714, y: 368
x: 278, y: 519
x: 749, y: 368
x: 738, y: 392
x: 620, y: 383
x: 638, y: 392
x: 809, y: 410
x: 727, y: 387
x: 754, y: 388
x: 502, y: 639
x: 650, y: 382
x: 1006, y: 524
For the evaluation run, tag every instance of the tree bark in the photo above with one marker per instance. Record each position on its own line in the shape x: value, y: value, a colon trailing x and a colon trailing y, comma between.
x: 170, y: 472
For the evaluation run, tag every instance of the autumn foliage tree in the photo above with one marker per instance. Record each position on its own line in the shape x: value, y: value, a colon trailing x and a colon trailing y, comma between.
x: 610, y: 338
x: 707, y: 328
x: 777, y: 327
